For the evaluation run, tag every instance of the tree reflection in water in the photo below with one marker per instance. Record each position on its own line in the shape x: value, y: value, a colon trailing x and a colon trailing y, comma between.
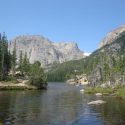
x: 61, y: 104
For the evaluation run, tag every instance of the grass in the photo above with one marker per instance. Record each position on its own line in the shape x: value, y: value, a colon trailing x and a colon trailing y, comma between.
x: 16, y: 88
x: 11, y: 79
x: 120, y: 92
x: 92, y: 90
x: 117, y: 91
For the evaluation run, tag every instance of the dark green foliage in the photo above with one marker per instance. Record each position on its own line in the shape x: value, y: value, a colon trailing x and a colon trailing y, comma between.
x: 109, y: 61
x: 11, y: 79
x: 21, y: 63
x: 61, y: 72
x: 13, y: 60
x: 24, y: 64
x: 4, y: 57
x: 32, y: 72
x: 36, y: 75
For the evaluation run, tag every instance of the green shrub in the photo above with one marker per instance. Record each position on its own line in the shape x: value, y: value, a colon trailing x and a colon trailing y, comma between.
x: 120, y: 92
x: 11, y: 79
x: 36, y: 75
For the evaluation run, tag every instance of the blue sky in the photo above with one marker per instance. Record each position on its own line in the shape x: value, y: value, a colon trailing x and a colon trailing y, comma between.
x: 83, y: 21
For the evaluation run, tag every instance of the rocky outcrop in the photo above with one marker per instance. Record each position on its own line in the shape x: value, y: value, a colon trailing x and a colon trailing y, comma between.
x: 41, y: 49
x: 78, y: 80
x: 112, y: 36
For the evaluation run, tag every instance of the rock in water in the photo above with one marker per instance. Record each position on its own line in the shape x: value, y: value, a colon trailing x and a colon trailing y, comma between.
x: 41, y: 49
x: 98, y: 94
x: 97, y: 102
x: 82, y: 90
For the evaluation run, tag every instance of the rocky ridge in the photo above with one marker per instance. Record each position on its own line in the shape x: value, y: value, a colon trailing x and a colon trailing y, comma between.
x: 42, y: 49
x: 112, y: 36
x: 104, y: 67
x: 109, y: 64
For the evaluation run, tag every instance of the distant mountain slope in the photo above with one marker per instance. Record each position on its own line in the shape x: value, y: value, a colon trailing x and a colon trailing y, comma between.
x: 45, y: 51
x: 107, y: 65
x: 112, y: 36
x: 66, y: 70
x: 104, y: 66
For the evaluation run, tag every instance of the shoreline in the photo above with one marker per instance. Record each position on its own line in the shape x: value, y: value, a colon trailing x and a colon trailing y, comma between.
x: 117, y: 91
x: 16, y: 86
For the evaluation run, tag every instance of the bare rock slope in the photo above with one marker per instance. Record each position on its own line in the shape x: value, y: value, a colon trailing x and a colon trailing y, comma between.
x: 41, y: 49
x: 112, y: 36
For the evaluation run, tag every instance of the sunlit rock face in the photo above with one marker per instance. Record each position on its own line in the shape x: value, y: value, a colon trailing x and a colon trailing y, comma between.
x: 112, y: 36
x: 42, y: 49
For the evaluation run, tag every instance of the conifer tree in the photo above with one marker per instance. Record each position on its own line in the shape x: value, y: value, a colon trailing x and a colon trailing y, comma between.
x: 37, y: 76
x: 21, y: 63
x: 25, y: 64
x: 13, y: 60
x: 4, y: 57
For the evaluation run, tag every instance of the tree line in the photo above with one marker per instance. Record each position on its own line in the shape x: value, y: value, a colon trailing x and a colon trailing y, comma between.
x: 9, y: 66
x: 109, y: 62
x: 5, y: 57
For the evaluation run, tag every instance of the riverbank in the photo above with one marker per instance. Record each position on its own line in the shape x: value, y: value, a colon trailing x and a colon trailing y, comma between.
x: 116, y: 91
x: 16, y: 86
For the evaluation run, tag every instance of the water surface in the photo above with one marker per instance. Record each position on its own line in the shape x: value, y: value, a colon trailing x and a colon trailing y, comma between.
x: 61, y: 104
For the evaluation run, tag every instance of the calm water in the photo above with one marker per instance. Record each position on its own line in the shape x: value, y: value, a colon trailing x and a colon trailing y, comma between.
x: 61, y: 104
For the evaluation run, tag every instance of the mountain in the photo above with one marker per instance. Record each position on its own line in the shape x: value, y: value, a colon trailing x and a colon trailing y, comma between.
x: 47, y: 52
x: 105, y: 66
x: 112, y: 36
x: 62, y: 72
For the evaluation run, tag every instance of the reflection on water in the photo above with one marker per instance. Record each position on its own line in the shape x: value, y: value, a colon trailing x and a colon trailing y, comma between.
x: 61, y: 104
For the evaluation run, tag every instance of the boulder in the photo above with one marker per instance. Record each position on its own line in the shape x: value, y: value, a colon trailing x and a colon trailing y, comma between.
x: 98, y: 94
x: 82, y: 90
x: 97, y: 102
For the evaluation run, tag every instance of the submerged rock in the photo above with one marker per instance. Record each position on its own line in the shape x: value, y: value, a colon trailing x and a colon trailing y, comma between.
x: 82, y: 90
x: 98, y: 94
x: 97, y: 102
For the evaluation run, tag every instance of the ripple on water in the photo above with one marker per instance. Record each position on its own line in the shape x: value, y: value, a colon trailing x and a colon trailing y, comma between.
x: 61, y: 104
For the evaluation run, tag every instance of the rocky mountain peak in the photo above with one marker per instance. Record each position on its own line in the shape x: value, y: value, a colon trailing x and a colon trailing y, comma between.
x: 47, y: 52
x: 112, y: 36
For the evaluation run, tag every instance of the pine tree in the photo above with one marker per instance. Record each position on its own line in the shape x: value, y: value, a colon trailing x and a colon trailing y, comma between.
x: 25, y: 64
x: 3, y: 56
x: 13, y: 60
x: 7, y: 63
x: 21, y: 63
x: 0, y: 57
x: 37, y: 76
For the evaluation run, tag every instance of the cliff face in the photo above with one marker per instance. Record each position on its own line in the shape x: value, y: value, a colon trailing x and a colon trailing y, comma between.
x: 112, y: 36
x: 41, y: 49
